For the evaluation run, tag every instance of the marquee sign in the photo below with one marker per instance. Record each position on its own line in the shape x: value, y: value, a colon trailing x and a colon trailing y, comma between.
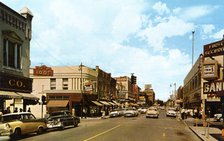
x: 214, y: 49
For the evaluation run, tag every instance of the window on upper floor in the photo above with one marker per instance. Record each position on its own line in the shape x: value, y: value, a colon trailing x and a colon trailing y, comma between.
x: 11, y: 54
x: 53, y: 83
x: 65, y: 83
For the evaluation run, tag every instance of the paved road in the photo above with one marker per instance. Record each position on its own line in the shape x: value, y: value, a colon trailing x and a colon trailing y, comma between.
x: 122, y: 129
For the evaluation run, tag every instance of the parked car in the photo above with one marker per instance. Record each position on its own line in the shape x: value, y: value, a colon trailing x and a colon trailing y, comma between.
x: 142, y: 110
x: 171, y: 112
x: 152, y: 112
x: 17, y: 124
x: 218, y: 117
x: 115, y: 113
x: 130, y: 112
x: 61, y: 119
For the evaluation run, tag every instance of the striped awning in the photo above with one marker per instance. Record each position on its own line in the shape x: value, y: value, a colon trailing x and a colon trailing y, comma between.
x: 97, y: 103
x: 8, y: 94
x: 105, y: 103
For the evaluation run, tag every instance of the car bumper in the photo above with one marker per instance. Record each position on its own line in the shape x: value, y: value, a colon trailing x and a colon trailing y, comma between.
x: 6, y: 132
x: 152, y: 115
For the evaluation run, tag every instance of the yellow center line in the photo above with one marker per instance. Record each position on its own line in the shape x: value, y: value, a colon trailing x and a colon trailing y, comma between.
x: 102, y: 133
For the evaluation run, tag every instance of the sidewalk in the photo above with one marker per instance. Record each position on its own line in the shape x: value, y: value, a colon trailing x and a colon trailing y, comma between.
x: 204, y: 133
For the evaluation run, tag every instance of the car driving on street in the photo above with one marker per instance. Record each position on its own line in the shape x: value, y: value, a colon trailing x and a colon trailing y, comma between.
x: 61, y: 119
x: 152, y: 112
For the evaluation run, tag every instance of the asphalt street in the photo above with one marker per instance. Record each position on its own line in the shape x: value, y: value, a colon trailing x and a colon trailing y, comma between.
x: 122, y: 129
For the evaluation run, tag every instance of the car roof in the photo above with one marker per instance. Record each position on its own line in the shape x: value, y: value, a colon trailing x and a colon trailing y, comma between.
x: 21, y: 113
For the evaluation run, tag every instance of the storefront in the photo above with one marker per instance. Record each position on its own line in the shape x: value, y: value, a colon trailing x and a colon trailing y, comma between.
x: 15, y: 92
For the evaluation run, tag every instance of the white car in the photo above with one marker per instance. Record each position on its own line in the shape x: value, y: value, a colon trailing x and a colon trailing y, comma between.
x: 152, y: 112
x: 130, y: 112
x: 171, y: 112
x: 218, y: 117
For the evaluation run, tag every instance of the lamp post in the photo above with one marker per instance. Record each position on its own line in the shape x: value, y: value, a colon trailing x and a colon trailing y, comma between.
x: 81, y: 85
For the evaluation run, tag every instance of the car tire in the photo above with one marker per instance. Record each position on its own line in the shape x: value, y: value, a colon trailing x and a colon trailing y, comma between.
x: 75, y: 123
x: 17, y: 134
x: 40, y: 130
x: 62, y: 126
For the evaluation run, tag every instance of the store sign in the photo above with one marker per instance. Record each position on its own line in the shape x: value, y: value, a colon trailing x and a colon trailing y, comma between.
x: 43, y: 71
x: 210, y: 70
x: 214, y: 49
x: 15, y: 83
x: 215, y: 87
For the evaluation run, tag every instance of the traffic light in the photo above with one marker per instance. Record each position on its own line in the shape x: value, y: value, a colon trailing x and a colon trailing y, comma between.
x: 133, y: 79
x: 43, y: 99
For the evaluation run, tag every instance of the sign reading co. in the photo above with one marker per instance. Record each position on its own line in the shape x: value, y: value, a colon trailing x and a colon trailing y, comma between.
x: 14, y: 83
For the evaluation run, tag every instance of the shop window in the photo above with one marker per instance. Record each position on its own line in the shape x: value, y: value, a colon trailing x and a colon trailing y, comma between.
x: 11, y: 54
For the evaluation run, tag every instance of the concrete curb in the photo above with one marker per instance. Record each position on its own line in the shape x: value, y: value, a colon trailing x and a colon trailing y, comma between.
x: 200, y: 136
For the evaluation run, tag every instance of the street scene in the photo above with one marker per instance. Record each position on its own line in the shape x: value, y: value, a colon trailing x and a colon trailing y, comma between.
x: 130, y: 70
x: 122, y: 128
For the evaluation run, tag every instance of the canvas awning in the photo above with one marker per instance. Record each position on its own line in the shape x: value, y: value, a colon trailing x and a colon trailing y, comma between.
x: 112, y: 103
x: 7, y: 94
x: 57, y: 103
x: 118, y: 104
x: 105, y: 103
x: 97, y: 103
x: 27, y: 96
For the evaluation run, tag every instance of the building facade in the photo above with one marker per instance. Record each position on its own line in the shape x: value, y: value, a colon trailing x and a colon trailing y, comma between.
x: 70, y: 88
x: 193, y: 86
x: 15, y: 36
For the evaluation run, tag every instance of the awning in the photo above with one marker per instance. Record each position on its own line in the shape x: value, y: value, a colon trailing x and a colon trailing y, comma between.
x: 7, y: 94
x: 97, y: 103
x: 57, y: 103
x: 105, y: 103
x: 112, y: 103
x: 118, y: 104
x: 27, y: 96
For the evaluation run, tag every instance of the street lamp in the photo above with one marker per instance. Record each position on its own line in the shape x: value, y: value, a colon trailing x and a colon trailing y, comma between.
x: 81, y: 85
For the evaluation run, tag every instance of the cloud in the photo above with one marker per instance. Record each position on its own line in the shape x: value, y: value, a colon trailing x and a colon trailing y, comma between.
x: 195, y: 12
x: 161, y: 8
x: 218, y: 35
x: 155, y: 35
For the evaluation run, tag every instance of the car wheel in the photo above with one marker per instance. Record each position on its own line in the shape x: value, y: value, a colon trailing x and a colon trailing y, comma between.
x: 62, y: 126
x: 75, y: 123
x: 40, y: 130
x: 17, y: 134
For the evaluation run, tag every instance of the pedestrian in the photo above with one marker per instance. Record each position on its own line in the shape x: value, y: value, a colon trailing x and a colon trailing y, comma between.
x: 8, y: 110
x: 29, y: 110
x: 15, y: 110
x: 182, y: 113
x: 20, y: 110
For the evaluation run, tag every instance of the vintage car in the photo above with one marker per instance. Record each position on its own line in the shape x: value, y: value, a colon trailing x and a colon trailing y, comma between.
x: 18, y: 124
x: 116, y: 113
x: 152, y: 112
x: 130, y: 112
x: 218, y: 117
x: 171, y: 112
x: 61, y: 119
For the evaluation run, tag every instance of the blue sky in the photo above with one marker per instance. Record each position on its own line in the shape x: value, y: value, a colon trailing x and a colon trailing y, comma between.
x: 150, y: 38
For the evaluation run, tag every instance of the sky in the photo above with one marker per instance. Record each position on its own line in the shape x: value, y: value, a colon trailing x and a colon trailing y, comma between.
x: 152, y: 39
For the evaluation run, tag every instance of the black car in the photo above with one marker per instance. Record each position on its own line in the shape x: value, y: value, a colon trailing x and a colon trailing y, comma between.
x: 61, y: 119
